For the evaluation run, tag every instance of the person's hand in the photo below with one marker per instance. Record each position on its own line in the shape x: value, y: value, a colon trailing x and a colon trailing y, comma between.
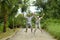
x: 43, y: 14
x: 32, y: 13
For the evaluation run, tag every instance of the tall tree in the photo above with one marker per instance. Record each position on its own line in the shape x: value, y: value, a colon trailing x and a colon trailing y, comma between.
x: 6, y: 8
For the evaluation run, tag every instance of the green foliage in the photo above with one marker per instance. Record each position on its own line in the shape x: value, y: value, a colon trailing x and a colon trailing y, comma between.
x: 8, y: 10
x: 20, y: 20
x: 33, y: 22
x: 50, y: 8
x: 53, y: 27
x: 6, y: 7
x: 1, y: 27
x: 24, y: 5
x: 10, y: 20
x: 14, y: 11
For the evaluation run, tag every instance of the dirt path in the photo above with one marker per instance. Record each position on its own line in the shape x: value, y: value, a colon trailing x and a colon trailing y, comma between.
x: 22, y: 35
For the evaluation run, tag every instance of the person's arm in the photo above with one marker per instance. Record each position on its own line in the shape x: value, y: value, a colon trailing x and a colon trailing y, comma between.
x: 42, y: 16
x: 33, y: 15
x: 25, y: 16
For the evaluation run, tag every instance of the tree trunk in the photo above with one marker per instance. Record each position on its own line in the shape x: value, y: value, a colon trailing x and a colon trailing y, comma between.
x: 5, y: 15
x: 5, y: 22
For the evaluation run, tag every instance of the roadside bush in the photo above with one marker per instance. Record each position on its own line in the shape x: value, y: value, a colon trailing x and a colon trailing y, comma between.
x: 53, y: 27
x: 1, y: 27
x: 20, y: 21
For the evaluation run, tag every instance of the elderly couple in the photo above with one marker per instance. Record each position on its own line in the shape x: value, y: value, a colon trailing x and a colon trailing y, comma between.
x: 37, y: 22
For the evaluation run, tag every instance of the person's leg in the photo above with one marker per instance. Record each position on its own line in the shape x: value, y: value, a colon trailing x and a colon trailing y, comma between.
x: 26, y: 27
x: 31, y: 27
x: 39, y: 27
x: 35, y: 28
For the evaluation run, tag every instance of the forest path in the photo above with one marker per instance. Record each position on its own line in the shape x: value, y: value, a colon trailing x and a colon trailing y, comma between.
x: 22, y: 35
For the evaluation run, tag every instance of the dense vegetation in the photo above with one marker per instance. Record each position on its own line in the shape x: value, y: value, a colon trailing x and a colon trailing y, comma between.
x: 52, y: 16
x: 50, y: 22
x: 52, y: 26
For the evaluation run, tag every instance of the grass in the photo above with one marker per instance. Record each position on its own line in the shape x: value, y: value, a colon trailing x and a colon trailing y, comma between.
x: 53, y: 27
x: 1, y: 27
x: 7, y: 33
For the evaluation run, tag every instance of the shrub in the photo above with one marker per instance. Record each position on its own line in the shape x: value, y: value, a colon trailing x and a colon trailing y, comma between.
x: 53, y: 27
